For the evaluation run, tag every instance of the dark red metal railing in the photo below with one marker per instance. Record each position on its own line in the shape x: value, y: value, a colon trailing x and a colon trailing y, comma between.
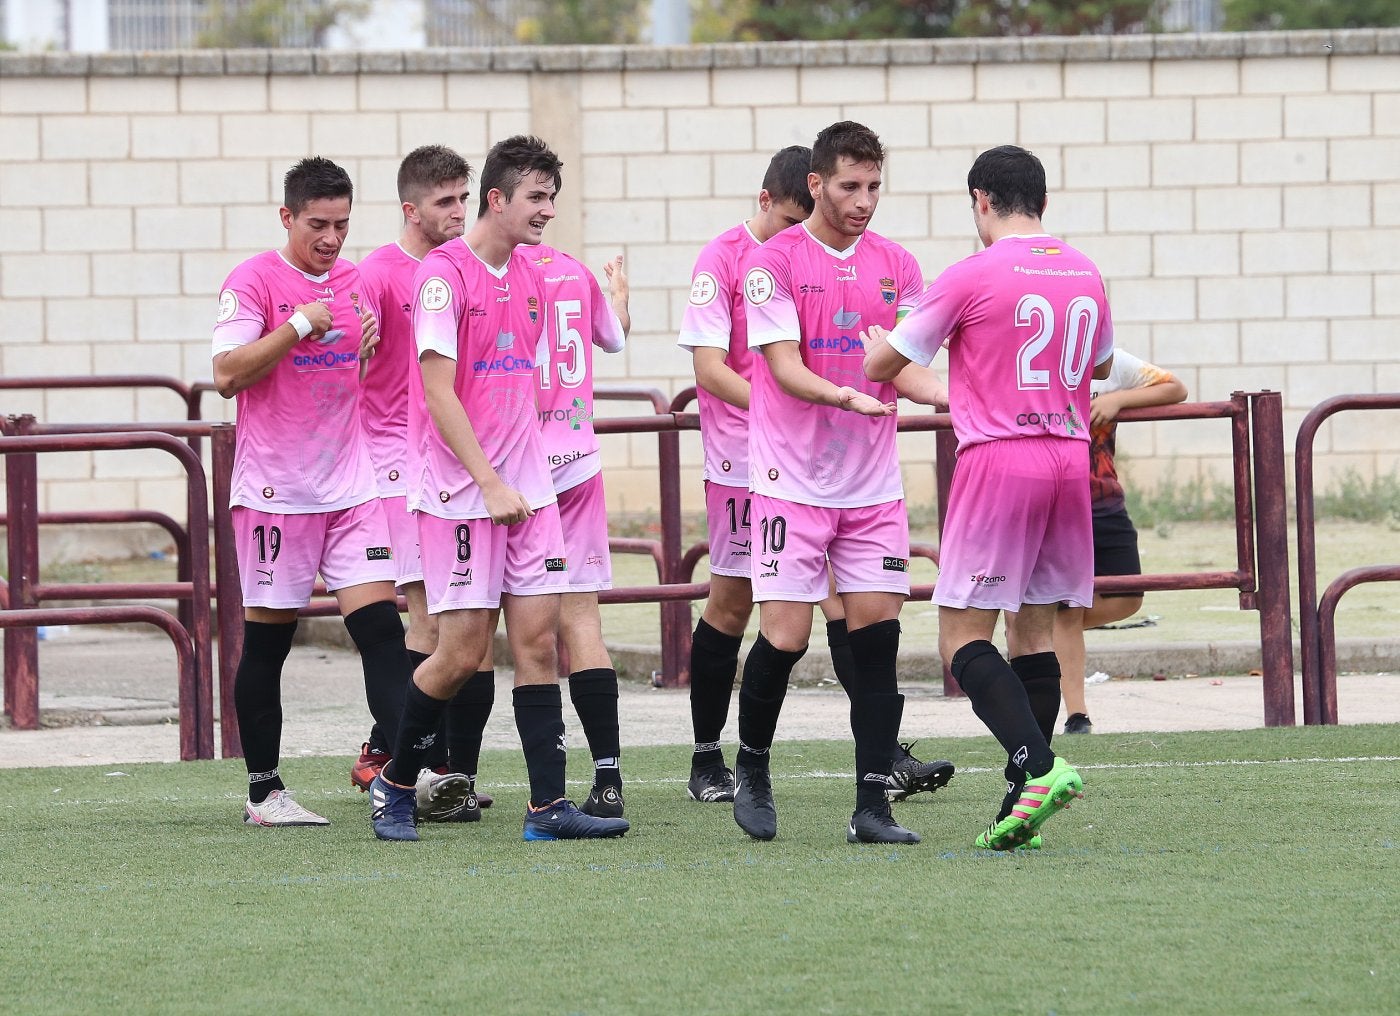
x: 20, y: 444
x: 1317, y: 619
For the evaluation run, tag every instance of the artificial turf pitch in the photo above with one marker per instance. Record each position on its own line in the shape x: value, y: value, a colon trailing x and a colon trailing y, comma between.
x: 1249, y: 872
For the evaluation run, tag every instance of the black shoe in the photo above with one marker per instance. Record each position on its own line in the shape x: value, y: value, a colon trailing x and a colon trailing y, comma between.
x: 753, y: 801
x: 877, y: 825
x: 1078, y: 723
x: 712, y: 785
x: 909, y: 776
x: 603, y: 802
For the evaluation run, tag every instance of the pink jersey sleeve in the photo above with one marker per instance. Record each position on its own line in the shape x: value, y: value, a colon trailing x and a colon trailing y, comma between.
x: 920, y: 335
x: 708, y: 318
x: 242, y: 315
x: 768, y: 304
x: 436, y: 312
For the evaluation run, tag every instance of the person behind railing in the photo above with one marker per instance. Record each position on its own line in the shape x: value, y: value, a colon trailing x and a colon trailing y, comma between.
x: 1132, y: 384
x: 286, y: 343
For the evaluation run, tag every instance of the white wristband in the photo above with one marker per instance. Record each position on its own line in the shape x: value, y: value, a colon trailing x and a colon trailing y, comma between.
x: 301, y: 323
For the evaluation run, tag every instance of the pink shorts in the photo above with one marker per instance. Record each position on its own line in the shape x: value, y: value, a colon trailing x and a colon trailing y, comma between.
x: 1018, y: 528
x: 403, y: 537
x: 867, y: 547
x: 583, y: 514
x: 469, y: 563
x: 279, y: 555
x: 727, y: 509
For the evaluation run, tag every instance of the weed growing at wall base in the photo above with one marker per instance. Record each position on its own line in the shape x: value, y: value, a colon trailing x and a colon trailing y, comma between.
x: 1223, y: 872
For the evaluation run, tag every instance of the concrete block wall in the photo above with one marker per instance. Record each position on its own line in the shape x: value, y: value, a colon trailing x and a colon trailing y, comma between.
x: 1241, y: 193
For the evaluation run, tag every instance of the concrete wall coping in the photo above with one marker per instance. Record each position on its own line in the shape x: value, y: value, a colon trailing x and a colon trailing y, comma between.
x: 560, y: 59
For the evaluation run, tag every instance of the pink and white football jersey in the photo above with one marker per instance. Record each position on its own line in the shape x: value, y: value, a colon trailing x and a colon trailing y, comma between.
x: 715, y: 317
x: 299, y: 443
x: 577, y: 317
x: 490, y: 322
x: 387, y: 276
x: 1026, y: 320
x: 799, y: 289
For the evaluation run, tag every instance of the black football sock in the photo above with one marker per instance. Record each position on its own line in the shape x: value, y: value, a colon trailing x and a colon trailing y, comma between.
x: 539, y: 717
x: 839, y: 642
x: 467, y: 714
x: 436, y: 756
x: 1040, y: 676
x: 999, y: 700
x: 1015, y: 782
x: 761, y: 695
x: 875, y: 725
x: 257, y: 698
x: 377, y: 741
x: 594, y: 695
x: 418, y: 731
x: 875, y: 652
x: 378, y: 634
x: 714, y: 662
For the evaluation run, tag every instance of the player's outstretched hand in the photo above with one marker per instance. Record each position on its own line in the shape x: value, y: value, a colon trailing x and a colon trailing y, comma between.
x: 506, y: 505
x: 865, y: 405
x: 320, y: 317
x: 369, y: 334
x: 617, y: 276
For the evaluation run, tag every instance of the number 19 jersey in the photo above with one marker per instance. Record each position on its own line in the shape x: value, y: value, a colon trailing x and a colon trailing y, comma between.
x: 1026, y: 320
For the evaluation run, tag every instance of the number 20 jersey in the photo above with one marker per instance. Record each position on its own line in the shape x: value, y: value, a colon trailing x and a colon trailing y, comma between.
x: 1026, y: 320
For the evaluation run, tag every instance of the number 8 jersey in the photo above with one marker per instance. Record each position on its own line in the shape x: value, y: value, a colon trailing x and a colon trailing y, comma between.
x: 1026, y: 321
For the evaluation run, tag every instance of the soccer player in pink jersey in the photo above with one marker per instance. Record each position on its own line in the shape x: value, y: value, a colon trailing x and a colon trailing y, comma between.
x: 433, y: 186
x: 488, y: 524
x: 825, y: 473
x: 713, y: 330
x: 1026, y: 323
x: 290, y: 327
x: 577, y: 318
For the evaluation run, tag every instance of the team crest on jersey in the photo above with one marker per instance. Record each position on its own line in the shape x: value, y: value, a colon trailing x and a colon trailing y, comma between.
x: 228, y: 305
x: 887, y: 291
x: 1044, y: 251
x: 703, y: 289
x: 534, y: 308
x: 435, y: 295
x: 758, y: 286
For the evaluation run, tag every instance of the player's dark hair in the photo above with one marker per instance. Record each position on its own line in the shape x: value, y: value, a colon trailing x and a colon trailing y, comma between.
x: 1013, y: 180
x: 855, y: 141
x: 427, y: 167
x: 786, y: 179
x: 314, y: 178
x: 513, y: 159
